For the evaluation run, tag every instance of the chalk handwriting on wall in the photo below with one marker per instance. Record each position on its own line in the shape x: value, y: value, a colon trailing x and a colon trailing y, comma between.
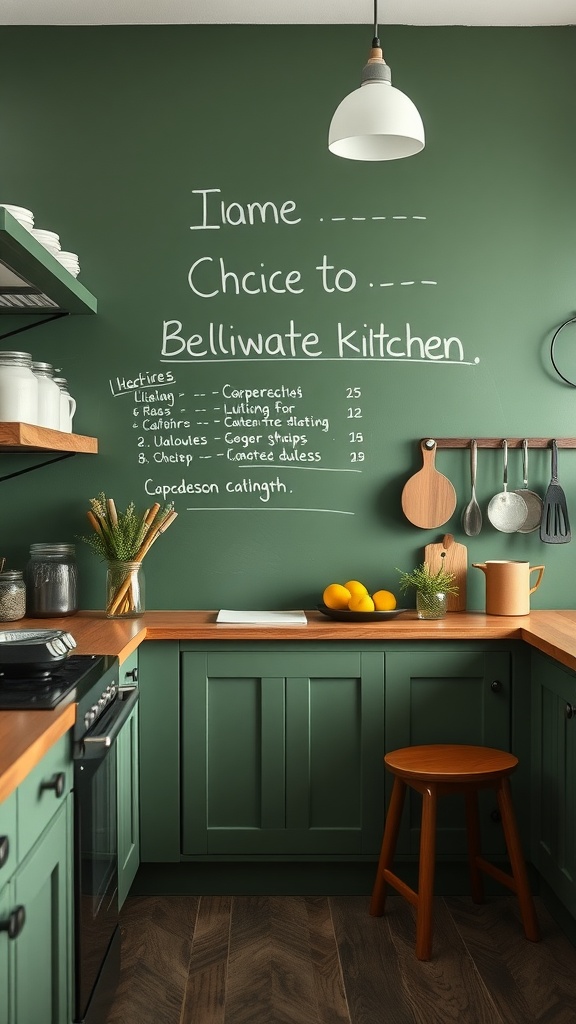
x: 212, y: 278
x: 274, y: 437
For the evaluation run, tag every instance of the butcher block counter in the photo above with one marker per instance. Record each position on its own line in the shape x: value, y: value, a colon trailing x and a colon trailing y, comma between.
x: 25, y: 736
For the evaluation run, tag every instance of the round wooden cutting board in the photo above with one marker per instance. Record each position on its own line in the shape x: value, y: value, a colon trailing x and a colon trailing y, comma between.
x: 428, y: 497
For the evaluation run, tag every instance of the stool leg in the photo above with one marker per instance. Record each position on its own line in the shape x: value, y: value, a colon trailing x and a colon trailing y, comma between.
x: 473, y: 839
x: 519, y: 873
x: 426, y: 874
x: 391, y: 830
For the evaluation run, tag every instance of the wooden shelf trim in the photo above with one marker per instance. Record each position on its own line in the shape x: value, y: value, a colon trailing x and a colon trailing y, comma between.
x: 26, y: 437
x: 497, y: 442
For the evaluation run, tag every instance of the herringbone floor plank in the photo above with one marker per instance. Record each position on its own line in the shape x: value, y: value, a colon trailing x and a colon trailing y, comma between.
x: 324, y: 960
x: 156, y: 946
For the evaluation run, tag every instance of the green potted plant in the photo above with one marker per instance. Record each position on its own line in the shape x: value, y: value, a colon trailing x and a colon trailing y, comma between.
x: 432, y: 589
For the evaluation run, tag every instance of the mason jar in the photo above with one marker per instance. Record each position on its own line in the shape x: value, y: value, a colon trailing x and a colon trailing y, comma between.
x: 18, y: 388
x: 48, y: 395
x: 125, y: 590
x: 52, y: 580
x: 12, y: 595
x: 67, y: 405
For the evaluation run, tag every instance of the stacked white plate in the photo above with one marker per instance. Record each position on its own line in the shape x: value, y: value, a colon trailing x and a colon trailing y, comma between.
x: 26, y: 217
x: 49, y: 239
x: 69, y: 260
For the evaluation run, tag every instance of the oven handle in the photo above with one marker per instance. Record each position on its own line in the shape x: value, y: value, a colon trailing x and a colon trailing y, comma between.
x: 97, y: 743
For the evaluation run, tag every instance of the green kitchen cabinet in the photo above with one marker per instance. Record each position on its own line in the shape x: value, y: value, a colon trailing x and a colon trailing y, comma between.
x: 554, y: 776
x: 448, y: 696
x: 36, y: 900
x: 282, y: 751
x: 128, y: 788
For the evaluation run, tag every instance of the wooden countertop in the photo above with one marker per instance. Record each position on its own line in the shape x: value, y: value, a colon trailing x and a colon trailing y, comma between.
x: 25, y: 736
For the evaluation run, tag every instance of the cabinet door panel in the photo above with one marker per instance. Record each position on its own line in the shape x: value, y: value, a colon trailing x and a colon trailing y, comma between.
x: 245, y: 753
x: 128, y: 804
x: 6, y: 905
x: 275, y: 746
x: 554, y: 776
x: 324, y: 753
x: 42, y: 885
x: 448, y: 697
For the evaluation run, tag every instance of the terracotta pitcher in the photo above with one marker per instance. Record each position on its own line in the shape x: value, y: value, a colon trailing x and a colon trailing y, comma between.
x: 508, y: 586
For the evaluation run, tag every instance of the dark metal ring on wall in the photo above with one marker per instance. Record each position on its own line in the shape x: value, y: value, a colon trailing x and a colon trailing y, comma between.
x: 572, y: 320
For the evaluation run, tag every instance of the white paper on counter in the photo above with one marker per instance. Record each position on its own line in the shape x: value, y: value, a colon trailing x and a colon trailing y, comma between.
x: 260, y: 618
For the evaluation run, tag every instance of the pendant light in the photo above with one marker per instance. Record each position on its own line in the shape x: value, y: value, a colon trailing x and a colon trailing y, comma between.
x: 376, y: 121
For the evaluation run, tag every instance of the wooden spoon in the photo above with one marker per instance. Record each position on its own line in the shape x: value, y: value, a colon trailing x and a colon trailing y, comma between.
x: 428, y: 497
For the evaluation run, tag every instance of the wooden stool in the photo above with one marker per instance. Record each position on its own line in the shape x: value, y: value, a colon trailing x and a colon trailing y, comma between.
x: 434, y: 770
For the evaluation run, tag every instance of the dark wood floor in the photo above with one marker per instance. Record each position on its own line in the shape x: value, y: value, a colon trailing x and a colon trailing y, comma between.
x: 319, y: 960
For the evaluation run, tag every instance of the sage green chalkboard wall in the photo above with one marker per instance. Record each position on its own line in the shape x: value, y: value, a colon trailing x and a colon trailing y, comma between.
x: 188, y: 168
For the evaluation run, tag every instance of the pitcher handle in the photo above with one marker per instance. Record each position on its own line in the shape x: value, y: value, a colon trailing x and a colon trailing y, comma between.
x: 540, y: 568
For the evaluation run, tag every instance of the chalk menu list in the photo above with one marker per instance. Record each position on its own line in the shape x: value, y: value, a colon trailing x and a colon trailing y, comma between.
x: 235, y: 419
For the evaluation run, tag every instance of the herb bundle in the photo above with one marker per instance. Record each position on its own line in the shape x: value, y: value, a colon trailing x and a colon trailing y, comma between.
x: 125, y: 537
x: 428, y: 585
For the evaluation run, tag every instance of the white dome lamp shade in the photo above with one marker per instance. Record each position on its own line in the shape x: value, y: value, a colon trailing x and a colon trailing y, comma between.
x: 376, y: 121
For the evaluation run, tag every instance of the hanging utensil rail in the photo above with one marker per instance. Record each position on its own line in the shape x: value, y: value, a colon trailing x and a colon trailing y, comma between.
x: 513, y: 442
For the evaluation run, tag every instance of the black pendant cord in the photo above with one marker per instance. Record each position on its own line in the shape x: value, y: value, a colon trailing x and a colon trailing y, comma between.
x: 376, y: 41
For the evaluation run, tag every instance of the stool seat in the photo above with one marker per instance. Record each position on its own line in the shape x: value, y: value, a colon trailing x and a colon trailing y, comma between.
x: 450, y: 762
x: 435, y: 770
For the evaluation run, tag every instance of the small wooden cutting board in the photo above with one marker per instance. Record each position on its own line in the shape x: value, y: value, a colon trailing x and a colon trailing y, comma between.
x: 452, y: 557
x: 428, y: 497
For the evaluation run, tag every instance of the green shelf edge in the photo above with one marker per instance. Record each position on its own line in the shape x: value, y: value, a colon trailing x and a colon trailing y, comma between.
x: 24, y: 255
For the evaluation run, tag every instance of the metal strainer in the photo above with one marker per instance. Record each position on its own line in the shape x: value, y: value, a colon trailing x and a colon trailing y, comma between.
x: 507, y: 510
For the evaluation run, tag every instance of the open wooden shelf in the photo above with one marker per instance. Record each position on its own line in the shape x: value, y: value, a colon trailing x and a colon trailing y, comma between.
x: 26, y: 437
x: 32, y: 280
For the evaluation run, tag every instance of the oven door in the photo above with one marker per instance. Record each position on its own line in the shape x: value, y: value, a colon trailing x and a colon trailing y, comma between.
x: 96, y: 860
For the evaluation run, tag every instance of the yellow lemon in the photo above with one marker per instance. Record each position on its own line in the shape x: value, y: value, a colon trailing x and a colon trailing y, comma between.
x: 336, y: 596
x: 355, y: 587
x: 361, y: 603
x: 384, y: 601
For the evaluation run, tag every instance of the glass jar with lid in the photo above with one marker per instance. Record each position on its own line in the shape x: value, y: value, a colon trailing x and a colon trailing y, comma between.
x: 52, y: 580
x: 48, y: 395
x: 67, y: 405
x: 12, y: 595
x: 18, y: 388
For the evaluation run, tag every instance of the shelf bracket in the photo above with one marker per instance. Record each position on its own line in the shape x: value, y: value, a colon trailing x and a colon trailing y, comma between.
x: 37, y: 465
x: 36, y: 323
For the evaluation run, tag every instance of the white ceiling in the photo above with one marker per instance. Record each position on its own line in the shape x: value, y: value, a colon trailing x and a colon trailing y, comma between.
x: 296, y: 12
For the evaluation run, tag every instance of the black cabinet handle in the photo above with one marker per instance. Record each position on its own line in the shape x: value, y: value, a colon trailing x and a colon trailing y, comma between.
x: 57, y: 783
x: 14, y: 923
x: 133, y: 675
x: 495, y: 686
x: 4, y: 850
x: 570, y: 710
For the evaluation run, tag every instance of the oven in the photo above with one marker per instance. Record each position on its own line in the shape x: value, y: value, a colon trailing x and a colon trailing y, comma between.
x: 97, y: 935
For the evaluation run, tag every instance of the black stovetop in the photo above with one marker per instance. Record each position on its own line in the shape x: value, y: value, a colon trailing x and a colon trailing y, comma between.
x: 80, y: 673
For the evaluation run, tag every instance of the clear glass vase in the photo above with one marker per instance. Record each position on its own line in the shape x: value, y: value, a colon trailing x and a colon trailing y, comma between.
x: 125, y: 590
x: 431, y: 606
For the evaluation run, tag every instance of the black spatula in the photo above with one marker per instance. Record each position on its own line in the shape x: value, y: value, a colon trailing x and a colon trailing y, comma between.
x: 555, y: 524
